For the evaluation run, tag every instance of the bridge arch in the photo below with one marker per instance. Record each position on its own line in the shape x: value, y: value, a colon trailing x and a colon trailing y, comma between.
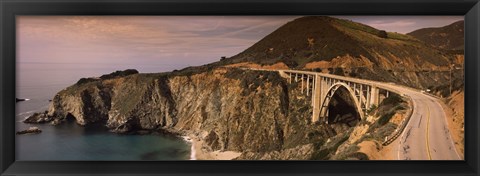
x: 331, y: 92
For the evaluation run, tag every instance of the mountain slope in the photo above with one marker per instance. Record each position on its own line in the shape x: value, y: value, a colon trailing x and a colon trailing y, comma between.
x: 289, y: 43
x: 320, y: 38
x: 450, y: 37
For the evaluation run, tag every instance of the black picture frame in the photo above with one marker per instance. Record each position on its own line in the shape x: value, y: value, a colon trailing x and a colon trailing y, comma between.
x: 11, y: 8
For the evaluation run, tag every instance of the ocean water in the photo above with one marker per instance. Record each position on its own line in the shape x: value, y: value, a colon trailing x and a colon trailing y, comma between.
x: 39, y: 82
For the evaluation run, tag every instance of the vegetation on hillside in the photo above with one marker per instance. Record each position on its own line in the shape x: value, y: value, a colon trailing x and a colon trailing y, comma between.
x: 450, y: 37
x: 338, y: 148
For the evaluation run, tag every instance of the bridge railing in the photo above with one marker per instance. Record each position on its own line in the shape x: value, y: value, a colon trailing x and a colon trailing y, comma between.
x: 355, y: 80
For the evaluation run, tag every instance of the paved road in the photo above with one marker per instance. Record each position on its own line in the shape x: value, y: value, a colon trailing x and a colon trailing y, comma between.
x: 426, y: 136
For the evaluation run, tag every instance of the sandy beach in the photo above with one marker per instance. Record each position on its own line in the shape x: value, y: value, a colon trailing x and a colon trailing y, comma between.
x: 200, y: 153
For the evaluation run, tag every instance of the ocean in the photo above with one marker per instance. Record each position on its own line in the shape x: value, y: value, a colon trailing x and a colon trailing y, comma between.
x: 39, y: 82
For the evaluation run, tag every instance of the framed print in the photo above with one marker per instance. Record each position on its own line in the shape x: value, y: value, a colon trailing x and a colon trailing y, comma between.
x: 225, y: 88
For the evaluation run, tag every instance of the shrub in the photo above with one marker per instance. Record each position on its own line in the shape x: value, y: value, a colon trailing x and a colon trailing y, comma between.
x: 352, y: 74
x: 384, y: 131
x: 85, y: 80
x: 359, y: 156
x: 386, y: 117
x: 338, y: 71
x: 347, y: 152
x: 119, y: 74
x: 382, y: 34
x: 321, y: 154
x: 393, y: 99
x: 372, y: 108
x: 291, y: 63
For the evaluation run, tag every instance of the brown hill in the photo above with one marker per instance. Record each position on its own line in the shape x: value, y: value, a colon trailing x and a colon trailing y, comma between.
x: 290, y: 44
x: 450, y: 37
x: 320, y: 38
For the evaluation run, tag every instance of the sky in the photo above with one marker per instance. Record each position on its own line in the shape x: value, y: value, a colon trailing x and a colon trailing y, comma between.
x: 170, y: 42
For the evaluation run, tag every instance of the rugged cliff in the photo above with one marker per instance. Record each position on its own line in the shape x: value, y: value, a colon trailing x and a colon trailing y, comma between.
x: 253, y: 112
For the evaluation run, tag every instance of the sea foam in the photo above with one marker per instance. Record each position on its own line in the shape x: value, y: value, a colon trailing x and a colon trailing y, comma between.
x: 192, y: 148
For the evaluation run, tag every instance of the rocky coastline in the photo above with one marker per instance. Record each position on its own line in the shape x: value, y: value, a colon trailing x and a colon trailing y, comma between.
x: 224, y: 109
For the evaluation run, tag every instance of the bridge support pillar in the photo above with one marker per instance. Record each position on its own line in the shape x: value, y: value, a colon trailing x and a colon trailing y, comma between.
x: 302, y: 81
x: 360, y: 97
x: 289, y: 78
x: 374, y: 95
x: 325, y: 86
x: 308, y: 85
x: 317, y: 100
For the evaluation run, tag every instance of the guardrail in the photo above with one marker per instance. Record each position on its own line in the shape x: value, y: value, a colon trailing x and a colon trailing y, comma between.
x: 402, y: 126
x: 405, y: 121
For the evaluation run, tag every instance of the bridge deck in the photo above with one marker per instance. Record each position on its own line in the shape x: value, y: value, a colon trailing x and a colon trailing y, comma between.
x: 353, y: 80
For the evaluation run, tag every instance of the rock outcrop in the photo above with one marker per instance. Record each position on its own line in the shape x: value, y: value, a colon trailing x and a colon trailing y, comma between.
x: 254, y: 112
x: 20, y: 99
x: 31, y: 130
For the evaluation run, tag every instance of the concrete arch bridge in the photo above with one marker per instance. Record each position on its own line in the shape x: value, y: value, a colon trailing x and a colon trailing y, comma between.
x: 322, y: 88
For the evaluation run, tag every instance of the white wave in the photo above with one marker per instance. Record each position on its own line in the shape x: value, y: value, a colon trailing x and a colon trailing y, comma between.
x: 193, y: 153
x: 192, y: 148
x: 28, y: 112
x: 187, y: 139
x: 36, y: 110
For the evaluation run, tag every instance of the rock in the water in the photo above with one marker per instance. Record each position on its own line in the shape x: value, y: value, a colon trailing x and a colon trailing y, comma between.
x: 31, y: 130
x: 20, y: 99
x: 39, y: 118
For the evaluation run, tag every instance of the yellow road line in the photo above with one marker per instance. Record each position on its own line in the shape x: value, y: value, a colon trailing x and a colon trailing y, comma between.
x: 428, y: 121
